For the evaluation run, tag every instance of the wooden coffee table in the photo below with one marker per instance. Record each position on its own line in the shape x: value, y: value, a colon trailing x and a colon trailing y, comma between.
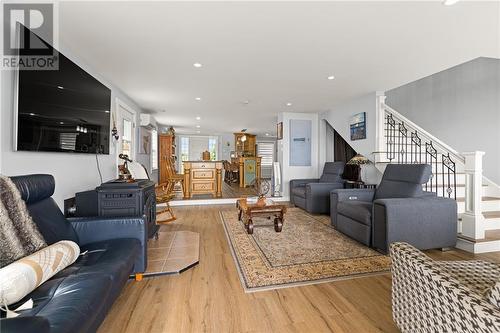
x: 247, y: 211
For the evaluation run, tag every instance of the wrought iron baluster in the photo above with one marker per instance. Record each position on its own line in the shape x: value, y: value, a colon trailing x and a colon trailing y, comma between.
x: 390, y: 132
x: 403, y: 143
x: 448, y: 166
x: 430, y: 157
x: 417, y: 143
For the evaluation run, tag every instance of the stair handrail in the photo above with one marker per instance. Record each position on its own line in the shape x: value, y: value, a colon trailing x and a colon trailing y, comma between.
x: 424, y: 133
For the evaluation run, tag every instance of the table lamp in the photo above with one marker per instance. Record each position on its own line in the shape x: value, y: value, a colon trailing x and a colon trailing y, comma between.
x: 359, y: 160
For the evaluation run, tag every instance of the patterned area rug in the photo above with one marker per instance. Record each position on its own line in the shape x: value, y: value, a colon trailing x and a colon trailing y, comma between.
x: 307, y: 251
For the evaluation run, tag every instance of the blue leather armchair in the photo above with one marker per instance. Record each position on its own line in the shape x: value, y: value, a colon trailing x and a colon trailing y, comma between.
x: 78, y: 298
x: 313, y: 195
x: 397, y: 211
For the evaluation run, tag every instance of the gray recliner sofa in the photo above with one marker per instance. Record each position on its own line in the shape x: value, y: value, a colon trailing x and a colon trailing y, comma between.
x: 313, y: 195
x: 397, y: 211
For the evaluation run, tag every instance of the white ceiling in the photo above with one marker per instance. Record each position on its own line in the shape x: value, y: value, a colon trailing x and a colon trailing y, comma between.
x: 269, y: 53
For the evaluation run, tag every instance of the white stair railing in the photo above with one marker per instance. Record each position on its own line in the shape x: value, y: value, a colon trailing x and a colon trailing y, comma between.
x: 398, y: 137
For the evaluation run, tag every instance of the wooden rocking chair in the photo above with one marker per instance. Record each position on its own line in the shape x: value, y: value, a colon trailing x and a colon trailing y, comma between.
x: 164, y: 194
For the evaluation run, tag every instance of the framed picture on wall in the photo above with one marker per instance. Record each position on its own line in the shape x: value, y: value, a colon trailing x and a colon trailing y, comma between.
x: 279, y: 131
x: 357, y: 126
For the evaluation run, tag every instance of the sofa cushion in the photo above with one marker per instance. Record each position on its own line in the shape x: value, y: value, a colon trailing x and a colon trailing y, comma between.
x: 403, y: 181
x: 114, y: 258
x: 332, y: 172
x: 73, y: 303
x: 299, y: 191
x: 51, y: 222
x: 360, y: 211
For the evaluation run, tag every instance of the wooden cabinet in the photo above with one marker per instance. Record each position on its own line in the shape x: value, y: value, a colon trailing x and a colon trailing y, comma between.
x: 166, y: 154
x: 202, y: 178
x: 245, y: 147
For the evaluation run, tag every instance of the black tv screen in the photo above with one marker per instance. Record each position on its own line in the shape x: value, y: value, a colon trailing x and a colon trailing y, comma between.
x: 64, y: 110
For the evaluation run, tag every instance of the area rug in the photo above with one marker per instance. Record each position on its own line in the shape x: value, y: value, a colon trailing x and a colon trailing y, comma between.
x: 307, y: 251
x: 173, y: 252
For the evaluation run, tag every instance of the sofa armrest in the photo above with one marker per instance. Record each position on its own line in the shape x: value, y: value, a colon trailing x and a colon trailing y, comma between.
x: 25, y: 324
x: 339, y: 195
x: 317, y: 197
x: 302, y: 182
x: 95, y: 229
x: 437, y: 298
x: 425, y: 222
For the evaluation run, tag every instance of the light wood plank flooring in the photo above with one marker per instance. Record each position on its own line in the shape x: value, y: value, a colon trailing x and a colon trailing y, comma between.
x: 209, y: 297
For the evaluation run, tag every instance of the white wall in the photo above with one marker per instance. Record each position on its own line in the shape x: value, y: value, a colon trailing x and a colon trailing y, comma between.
x: 72, y: 172
x: 225, y: 149
x: 296, y: 172
x: 339, y: 116
x: 460, y: 106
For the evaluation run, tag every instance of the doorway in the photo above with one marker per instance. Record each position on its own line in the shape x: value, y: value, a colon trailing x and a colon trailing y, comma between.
x: 126, y: 125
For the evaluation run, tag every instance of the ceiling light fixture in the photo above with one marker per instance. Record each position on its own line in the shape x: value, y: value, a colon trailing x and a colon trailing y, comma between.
x: 197, y: 65
x: 107, y: 111
x: 198, y: 98
x: 198, y: 132
x: 450, y: 2
x: 60, y: 87
x: 331, y: 77
x: 198, y: 126
x: 267, y: 134
x: 198, y: 118
x: 288, y: 104
x: 32, y: 114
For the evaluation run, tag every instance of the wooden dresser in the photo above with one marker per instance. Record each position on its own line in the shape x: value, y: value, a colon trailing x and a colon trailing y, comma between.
x: 202, y: 177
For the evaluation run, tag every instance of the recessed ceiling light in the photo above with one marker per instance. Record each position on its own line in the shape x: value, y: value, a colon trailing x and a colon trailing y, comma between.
x: 331, y: 77
x: 267, y: 134
x: 107, y: 111
x: 32, y: 114
x: 60, y: 87
x: 450, y: 2
x: 197, y: 65
x: 198, y: 98
x: 288, y: 104
x: 198, y: 132
x: 198, y: 126
x: 198, y: 118
x: 62, y: 123
x: 246, y: 102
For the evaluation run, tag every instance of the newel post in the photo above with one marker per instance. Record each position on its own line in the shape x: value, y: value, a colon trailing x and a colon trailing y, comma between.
x: 380, y: 130
x: 472, y: 219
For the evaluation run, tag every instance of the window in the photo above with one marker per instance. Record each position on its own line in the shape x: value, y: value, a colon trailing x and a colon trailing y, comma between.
x: 184, y: 151
x: 154, y: 149
x: 127, y: 138
x: 265, y: 150
x: 212, y: 148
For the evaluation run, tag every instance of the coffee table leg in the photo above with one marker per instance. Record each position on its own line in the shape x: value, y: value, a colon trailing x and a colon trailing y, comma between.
x: 250, y: 226
x: 278, y: 224
x: 239, y: 214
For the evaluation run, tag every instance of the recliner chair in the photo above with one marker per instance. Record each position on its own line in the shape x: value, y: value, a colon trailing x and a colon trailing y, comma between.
x: 313, y: 195
x: 397, y: 211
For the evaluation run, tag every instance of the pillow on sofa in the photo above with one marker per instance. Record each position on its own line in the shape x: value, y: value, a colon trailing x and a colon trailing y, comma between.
x: 493, y: 295
x: 24, y: 275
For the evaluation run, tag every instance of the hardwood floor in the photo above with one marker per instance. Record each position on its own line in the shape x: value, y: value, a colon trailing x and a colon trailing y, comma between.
x: 209, y: 297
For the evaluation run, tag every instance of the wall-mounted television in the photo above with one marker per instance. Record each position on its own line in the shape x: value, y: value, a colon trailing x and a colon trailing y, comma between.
x: 64, y: 110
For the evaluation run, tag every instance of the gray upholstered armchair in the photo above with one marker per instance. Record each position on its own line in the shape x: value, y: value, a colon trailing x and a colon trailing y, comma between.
x: 313, y: 195
x: 397, y: 211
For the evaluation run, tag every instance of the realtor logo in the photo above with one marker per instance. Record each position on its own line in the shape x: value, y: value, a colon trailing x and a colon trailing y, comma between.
x: 29, y: 36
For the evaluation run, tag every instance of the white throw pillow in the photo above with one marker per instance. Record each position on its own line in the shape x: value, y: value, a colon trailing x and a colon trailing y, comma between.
x: 23, y: 276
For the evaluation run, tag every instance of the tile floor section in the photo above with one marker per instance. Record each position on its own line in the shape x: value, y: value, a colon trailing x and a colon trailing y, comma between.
x: 173, y: 252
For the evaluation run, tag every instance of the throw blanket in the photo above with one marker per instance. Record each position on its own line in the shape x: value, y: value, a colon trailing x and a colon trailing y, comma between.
x: 19, y: 235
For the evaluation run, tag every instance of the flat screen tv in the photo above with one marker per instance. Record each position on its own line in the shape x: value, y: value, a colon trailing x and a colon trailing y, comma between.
x: 64, y: 110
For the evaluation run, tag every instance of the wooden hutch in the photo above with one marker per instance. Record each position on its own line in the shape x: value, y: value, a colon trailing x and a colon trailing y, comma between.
x: 246, y: 157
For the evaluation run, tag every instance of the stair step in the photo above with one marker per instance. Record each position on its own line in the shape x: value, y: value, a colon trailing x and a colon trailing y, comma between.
x: 490, y: 235
x: 482, y: 199
x: 491, y: 215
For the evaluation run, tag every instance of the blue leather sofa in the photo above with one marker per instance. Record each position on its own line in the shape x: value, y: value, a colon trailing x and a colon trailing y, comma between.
x: 397, y: 211
x: 313, y: 195
x: 78, y: 298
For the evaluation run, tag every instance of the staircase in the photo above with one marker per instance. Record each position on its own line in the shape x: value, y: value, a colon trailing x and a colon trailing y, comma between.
x: 454, y: 175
